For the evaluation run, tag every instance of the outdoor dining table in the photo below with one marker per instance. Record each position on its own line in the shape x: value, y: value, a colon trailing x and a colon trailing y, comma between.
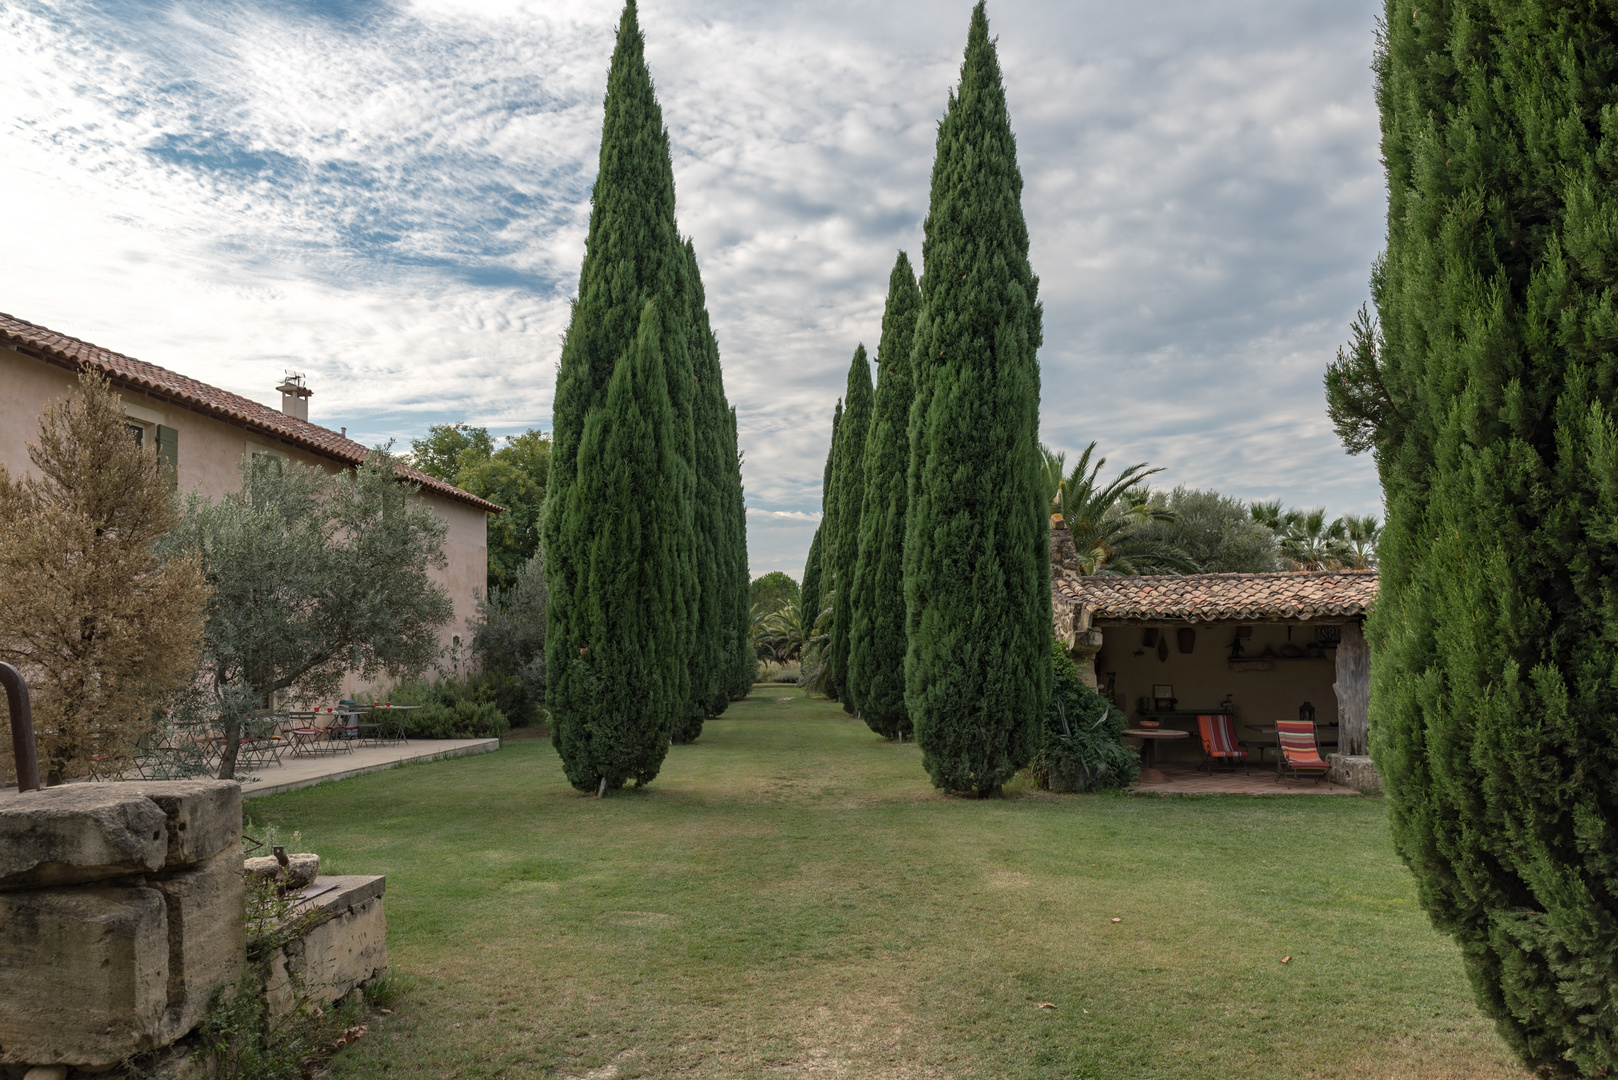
x: 394, y: 728
x: 1149, y: 772
x: 309, y: 739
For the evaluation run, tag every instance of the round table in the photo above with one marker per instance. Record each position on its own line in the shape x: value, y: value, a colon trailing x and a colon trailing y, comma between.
x: 1149, y: 773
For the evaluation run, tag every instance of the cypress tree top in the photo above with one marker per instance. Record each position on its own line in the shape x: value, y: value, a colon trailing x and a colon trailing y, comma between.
x: 877, y: 637
x: 848, y: 489
x: 977, y: 573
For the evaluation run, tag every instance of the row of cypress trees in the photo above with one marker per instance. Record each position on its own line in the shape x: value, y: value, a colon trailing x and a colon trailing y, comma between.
x: 645, y: 538
x: 933, y: 539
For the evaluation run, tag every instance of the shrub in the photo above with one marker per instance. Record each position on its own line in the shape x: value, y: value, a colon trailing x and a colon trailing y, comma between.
x: 1083, y: 733
x: 451, y: 710
x: 508, y: 638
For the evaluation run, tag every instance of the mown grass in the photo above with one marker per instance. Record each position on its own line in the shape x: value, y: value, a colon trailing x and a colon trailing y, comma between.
x: 791, y: 898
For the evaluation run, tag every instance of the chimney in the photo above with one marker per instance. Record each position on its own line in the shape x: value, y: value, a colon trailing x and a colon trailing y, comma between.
x: 295, y: 396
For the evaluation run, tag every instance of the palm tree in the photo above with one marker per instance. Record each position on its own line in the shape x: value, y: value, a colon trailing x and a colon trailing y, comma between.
x: 1360, y: 537
x: 786, y: 636
x: 1309, y: 543
x: 1103, y: 518
x: 1052, y: 477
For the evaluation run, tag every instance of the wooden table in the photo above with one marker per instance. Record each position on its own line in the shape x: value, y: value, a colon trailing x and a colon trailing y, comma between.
x: 1149, y: 773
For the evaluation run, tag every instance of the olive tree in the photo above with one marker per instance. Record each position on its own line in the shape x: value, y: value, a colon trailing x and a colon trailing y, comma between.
x: 315, y: 577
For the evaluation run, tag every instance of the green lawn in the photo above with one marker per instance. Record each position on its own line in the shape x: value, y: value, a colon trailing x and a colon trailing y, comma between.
x: 792, y: 898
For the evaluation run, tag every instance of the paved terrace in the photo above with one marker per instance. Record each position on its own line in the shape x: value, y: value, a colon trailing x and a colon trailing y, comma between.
x: 301, y: 772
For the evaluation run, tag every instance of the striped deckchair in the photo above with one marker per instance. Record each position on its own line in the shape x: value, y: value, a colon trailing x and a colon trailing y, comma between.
x: 1296, y: 741
x: 1219, y: 742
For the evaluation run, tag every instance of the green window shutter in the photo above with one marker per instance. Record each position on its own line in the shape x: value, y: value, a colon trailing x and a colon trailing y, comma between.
x: 168, y: 452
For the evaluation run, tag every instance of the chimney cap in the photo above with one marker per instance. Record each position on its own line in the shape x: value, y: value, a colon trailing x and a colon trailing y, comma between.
x: 293, y: 385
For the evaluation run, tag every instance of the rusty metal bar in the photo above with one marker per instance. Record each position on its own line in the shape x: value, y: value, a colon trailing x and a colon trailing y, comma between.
x: 22, y: 728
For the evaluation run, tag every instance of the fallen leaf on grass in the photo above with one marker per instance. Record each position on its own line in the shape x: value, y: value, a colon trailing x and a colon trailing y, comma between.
x: 352, y: 1035
x: 1117, y: 920
x: 385, y: 1012
x: 1047, y: 1005
x: 1286, y: 959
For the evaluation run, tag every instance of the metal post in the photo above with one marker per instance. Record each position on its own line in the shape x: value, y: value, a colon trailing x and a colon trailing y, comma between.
x: 22, y: 729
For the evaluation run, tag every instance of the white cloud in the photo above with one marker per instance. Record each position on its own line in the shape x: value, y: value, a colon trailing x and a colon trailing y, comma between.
x: 393, y: 199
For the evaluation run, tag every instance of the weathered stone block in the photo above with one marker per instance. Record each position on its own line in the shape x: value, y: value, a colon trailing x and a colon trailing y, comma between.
x: 83, y: 974
x: 1356, y: 771
x: 348, y: 948
x: 301, y: 868
x: 203, y: 817
x: 207, y: 941
x: 77, y: 833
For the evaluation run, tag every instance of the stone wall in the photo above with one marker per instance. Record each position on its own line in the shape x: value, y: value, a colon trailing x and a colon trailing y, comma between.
x: 346, y: 946
x: 120, y: 916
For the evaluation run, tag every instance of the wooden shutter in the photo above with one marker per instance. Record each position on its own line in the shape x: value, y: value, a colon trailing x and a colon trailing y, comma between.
x: 168, y: 452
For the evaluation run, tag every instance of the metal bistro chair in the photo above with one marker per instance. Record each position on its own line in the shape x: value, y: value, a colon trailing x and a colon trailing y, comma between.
x: 1295, y: 739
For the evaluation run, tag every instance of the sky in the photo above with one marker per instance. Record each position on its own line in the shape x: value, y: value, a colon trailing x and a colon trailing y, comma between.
x: 392, y: 198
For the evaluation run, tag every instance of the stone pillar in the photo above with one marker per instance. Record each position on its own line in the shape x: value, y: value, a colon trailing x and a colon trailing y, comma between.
x: 1353, y: 688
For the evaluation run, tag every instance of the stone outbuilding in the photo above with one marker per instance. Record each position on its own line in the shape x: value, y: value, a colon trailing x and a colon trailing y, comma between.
x: 1261, y: 646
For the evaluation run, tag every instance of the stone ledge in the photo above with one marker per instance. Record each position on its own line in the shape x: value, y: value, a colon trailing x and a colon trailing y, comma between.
x: 1356, y: 771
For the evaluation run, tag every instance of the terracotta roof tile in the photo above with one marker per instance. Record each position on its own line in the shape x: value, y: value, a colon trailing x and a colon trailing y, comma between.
x: 1206, y: 597
x: 167, y: 385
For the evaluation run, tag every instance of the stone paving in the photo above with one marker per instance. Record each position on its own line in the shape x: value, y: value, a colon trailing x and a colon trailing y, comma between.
x: 1188, y: 780
x: 301, y: 772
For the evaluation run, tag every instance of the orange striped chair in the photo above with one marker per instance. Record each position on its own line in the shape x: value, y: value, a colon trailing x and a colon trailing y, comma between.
x: 1219, y: 743
x: 1299, y: 753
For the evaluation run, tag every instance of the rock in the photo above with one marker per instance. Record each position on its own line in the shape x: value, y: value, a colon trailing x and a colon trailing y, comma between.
x: 46, y: 1072
x: 79, y: 833
x: 207, y: 938
x: 301, y: 869
x: 203, y: 817
x: 86, y: 974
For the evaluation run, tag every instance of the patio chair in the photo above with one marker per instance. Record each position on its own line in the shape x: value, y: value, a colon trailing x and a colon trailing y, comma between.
x: 1300, y: 755
x: 1219, y: 743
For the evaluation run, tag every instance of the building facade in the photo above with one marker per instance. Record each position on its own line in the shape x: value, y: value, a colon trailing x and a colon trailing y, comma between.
x: 204, y: 432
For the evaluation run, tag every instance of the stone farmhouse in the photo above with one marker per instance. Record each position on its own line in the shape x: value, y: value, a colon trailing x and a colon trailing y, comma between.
x: 204, y: 432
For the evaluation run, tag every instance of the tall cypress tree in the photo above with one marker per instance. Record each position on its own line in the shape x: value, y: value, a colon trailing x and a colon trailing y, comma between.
x: 1487, y: 394
x: 719, y: 561
x: 848, y: 489
x: 977, y: 569
x: 744, y: 661
x: 633, y: 256
x: 812, y: 596
x: 615, y: 702
x: 877, y: 638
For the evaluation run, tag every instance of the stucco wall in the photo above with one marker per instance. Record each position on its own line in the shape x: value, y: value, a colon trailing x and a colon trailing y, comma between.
x: 1202, y: 678
x: 210, y: 453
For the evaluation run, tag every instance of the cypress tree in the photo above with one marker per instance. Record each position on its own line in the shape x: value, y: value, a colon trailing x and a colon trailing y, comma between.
x: 977, y: 569
x: 616, y: 701
x: 633, y: 256
x: 1487, y: 394
x: 718, y: 557
x: 744, y: 661
x: 848, y: 489
x: 877, y: 637
x: 813, y: 594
